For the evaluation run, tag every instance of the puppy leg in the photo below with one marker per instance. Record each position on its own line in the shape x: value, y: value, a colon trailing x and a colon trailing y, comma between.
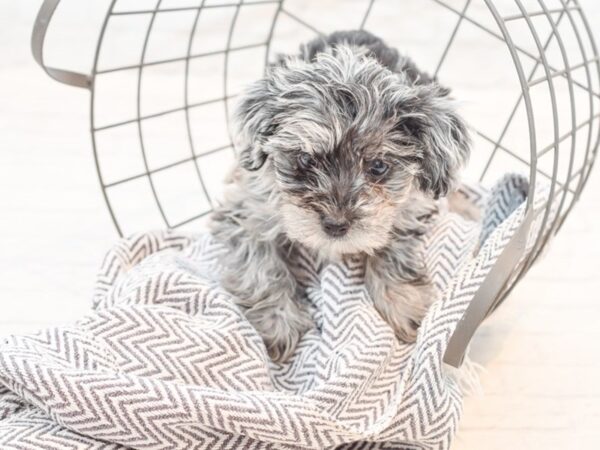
x: 399, y: 287
x: 256, y: 273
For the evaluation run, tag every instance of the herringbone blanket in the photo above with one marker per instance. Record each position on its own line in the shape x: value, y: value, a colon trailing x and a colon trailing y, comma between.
x: 167, y: 361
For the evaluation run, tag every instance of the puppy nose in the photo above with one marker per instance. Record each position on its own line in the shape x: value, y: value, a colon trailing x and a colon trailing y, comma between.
x: 335, y: 227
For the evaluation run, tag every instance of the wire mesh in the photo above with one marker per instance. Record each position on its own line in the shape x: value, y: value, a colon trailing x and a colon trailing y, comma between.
x: 539, y: 70
x: 166, y: 72
x: 539, y: 50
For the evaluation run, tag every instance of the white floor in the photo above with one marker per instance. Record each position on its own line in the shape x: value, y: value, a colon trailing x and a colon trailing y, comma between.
x: 541, y: 350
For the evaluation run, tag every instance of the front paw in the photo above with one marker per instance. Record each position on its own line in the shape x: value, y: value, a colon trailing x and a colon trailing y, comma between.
x: 280, y: 327
x: 404, y: 308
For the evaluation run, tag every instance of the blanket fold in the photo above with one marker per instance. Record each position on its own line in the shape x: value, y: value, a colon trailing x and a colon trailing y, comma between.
x: 166, y: 360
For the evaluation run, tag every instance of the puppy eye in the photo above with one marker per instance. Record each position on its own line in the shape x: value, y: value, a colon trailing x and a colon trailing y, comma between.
x: 377, y: 168
x: 305, y: 161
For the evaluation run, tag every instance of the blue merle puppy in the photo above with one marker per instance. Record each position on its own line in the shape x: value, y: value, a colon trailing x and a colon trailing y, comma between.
x: 344, y: 149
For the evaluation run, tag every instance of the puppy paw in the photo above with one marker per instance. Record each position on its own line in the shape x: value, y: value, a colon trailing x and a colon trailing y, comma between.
x: 406, y: 330
x: 280, y: 327
x: 403, y: 307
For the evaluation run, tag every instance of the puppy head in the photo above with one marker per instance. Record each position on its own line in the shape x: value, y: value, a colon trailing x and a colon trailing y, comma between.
x: 346, y: 141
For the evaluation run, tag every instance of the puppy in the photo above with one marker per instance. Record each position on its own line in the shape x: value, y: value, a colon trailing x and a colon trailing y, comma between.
x: 343, y: 149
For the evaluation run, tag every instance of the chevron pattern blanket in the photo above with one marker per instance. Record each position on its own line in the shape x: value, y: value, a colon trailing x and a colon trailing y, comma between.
x: 166, y: 361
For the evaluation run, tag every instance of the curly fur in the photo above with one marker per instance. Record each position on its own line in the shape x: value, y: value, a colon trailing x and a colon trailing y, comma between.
x: 346, y: 100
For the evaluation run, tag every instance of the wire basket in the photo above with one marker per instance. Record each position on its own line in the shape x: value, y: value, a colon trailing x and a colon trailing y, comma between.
x: 166, y: 72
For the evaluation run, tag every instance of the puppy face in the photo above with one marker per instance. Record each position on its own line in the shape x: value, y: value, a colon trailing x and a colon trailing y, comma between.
x: 342, y: 191
x: 346, y: 141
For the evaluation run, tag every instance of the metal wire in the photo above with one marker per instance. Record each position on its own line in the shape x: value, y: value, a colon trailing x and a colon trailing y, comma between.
x: 550, y: 73
x: 494, y: 283
x: 302, y: 22
x: 99, y: 171
x: 226, y: 67
x: 516, y: 108
x: 138, y: 120
x: 186, y: 58
x: 543, y: 235
x: 461, y: 16
x: 186, y: 97
x: 583, y: 172
x: 366, y: 15
x: 539, y: 224
x: 491, y: 32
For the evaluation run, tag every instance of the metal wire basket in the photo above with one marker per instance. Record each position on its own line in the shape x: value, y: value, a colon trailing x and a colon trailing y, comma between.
x: 166, y: 71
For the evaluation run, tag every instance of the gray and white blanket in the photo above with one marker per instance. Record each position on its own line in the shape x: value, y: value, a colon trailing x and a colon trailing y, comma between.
x: 165, y: 360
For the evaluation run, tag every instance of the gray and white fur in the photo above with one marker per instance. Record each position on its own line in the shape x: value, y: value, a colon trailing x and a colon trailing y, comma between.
x: 343, y: 149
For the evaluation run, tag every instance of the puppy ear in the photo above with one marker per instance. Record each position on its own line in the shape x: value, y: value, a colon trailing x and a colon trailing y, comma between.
x: 432, y: 121
x: 255, y: 121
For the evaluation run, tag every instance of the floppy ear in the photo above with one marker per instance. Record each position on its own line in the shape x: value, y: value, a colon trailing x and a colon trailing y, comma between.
x: 431, y: 120
x: 255, y: 122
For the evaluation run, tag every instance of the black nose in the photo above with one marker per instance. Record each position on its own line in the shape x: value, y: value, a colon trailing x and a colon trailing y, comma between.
x: 335, y: 227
